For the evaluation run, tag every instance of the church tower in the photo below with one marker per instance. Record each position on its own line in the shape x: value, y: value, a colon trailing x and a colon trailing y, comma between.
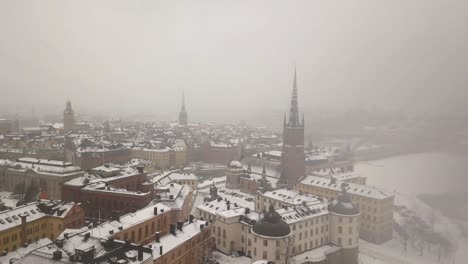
x: 68, y: 118
x: 183, y: 118
x: 293, y: 157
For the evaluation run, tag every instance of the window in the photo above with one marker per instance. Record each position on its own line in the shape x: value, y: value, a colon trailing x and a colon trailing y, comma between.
x: 265, y: 242
x: 350, y: 242
x: 339, y: 241
x: 265, y: 255
x: 340, y: 230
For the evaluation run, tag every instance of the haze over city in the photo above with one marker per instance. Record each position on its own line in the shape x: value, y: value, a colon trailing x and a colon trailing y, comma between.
x: 133, y: 57
x: 221, y: 132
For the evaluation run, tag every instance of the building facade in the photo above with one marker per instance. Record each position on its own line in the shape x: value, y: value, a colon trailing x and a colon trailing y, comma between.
x: 31, y: 222
x: 376, y: 206
x: 47, y: 175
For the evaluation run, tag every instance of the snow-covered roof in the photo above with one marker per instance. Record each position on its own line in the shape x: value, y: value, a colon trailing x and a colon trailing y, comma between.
x: 23, y: 251
x: 352, y: 188
x: 170, y: 242
x: 299, y: 213
x: 127, y: 221
x: 49, y: 167
x: 292, y: 197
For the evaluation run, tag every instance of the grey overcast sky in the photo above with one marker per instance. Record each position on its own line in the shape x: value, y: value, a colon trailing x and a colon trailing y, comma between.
x: 140, y: 55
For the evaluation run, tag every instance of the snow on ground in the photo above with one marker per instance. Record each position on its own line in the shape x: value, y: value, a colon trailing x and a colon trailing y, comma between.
x: 224, y: 259
x: 393, y: 251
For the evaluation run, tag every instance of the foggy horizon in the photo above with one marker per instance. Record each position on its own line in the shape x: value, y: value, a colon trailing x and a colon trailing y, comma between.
x: 130, y: 58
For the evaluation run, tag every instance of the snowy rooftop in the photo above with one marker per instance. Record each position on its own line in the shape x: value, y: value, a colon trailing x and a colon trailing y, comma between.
x: 178, y: 193
x: 11, y: 218
x: 216, y: 206
x: 23, y: 251
x: 49, y: 167
x: 168, y: 177
x: 300, y: 213
x: 103, y: 187
x: 76, y: 245
x: 170, y: 242
x: 92, y: 178
x: 352, y: 188
x: 126, y: 221
x: 291, y: 197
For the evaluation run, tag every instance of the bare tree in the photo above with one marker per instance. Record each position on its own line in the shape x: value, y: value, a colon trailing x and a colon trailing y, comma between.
x: 287, y: 249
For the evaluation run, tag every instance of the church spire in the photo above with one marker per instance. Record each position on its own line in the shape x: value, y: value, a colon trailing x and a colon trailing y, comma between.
x: 294, y: 111
x: 183, y: 101
x: 183, y: 118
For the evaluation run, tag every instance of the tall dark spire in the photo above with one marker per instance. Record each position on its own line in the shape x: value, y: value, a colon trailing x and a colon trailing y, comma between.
x: 183, y: 101
x: 183, y: 117
x: 294, y: 111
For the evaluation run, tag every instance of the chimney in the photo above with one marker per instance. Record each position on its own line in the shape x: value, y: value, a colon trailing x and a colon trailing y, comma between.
x: 172, y: 229
x: 110, y: 241
x: 140, y: 252
x: 59, y: 243
x: 140, y: 169
x: 191, y: 219
x: 115, y: 216
x: 160, y: 250
x: 155, y: 211
x: 157, y: 237
x: 179, y: 225
x: 57, y: 255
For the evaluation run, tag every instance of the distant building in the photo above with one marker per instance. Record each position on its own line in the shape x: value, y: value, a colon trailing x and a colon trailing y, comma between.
x: 48, y: 175
x: 6, y: 126
x: 91, y: 157
x: 163, y: 158
x: 234, y: 173
x: 68, y: 118
x: 107, y: 190
x: 183, y: 117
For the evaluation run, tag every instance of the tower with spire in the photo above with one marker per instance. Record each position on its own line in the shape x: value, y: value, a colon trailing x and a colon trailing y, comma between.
x: 293, y: 157
x: 183, y: 117
x: 68, y: 118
